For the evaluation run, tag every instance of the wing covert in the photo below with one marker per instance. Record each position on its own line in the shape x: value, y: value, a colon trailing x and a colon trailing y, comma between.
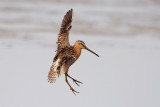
x: 69, y: 60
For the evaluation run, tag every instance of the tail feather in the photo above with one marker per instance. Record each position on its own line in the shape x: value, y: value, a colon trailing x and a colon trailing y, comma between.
x: 52, y: 75
x: 54, y: 72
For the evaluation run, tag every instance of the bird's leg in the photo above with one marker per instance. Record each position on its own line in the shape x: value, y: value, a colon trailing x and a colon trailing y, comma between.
x: 74, y: 91
x: 74, y: 80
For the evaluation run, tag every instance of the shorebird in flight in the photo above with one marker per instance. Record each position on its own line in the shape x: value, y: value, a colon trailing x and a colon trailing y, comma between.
x: 66, y: 54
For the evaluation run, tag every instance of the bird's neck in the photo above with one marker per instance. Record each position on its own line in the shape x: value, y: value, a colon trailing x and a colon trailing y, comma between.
x: 77, y: 51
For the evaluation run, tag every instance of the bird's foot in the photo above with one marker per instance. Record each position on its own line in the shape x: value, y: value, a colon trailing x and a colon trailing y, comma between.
x: 76, y: 81
x: 74, y: 91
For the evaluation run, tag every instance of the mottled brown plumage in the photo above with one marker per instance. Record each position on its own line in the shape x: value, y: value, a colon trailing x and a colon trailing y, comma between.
x: 66, y: 54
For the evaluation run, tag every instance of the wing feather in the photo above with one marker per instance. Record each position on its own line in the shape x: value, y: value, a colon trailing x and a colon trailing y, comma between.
x: 70, y: 59
x: 63, y: 36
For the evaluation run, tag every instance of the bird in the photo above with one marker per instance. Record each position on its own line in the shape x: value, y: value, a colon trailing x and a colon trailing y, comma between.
x: 66, y: 54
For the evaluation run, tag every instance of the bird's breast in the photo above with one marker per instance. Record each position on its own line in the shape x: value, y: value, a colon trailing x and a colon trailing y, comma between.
x: 77, y: 53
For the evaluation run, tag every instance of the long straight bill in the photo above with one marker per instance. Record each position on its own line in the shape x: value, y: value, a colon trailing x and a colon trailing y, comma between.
x: 91, y: 51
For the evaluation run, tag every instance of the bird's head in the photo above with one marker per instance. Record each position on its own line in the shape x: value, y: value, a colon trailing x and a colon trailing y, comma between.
x: 80, y: 44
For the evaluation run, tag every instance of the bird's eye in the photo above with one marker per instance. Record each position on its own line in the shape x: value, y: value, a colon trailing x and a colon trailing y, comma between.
x: 80, y: 44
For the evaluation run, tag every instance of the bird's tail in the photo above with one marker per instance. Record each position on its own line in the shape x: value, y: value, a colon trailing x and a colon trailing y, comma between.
x: 53, y: 73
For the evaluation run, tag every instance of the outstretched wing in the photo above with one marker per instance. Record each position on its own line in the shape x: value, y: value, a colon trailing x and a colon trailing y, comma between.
x: 63, y: 36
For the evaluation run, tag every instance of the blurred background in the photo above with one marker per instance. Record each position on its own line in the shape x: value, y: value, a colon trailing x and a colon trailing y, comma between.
x: 125, y: 33
x: 102, y: 17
